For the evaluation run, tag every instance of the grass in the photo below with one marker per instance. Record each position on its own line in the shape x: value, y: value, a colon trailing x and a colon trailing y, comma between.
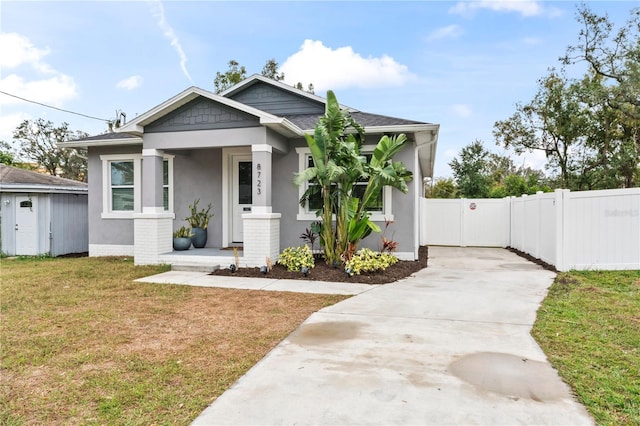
x: 81, y: 343
x: 589, y: 327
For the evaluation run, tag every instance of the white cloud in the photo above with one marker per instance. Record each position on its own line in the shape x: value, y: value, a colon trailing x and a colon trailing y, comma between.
x: 130, y: 83
x: 157, y: 10
x: 462, y: 110
x: 332, y: 69
x: 523, y: 7
x: 450, y: 31
x: 46, y: 85
x: 9, y: 122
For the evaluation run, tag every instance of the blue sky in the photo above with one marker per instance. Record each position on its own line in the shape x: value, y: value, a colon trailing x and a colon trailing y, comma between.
x: 463, y: 65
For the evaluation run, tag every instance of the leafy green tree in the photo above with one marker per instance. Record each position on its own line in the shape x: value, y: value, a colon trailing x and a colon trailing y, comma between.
x: 270, y: 70
x: 471, y: 171
x: 552, y: 122
x: 444, y: 188
x: 234, y: 75
x: 8, y: 155
x: 338, y: 165
x: 39, y: 142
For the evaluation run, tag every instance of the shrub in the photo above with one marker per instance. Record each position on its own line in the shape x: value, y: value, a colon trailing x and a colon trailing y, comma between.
x: 367, y: 260
x: 295, y: 258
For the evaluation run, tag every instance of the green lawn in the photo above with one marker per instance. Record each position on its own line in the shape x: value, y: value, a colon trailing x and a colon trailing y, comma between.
x: 589, y: 327
x: 81, y: 343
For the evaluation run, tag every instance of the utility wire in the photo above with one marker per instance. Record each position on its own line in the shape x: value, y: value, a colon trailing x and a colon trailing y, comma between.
x: 52, y: 107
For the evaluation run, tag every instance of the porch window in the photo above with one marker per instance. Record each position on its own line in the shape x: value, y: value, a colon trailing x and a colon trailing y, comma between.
x: 121, y: 186
x: 380, y: 209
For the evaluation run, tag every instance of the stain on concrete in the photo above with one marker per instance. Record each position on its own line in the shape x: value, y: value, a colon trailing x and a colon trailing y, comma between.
x: 510, y: 375
x: 520, y: 266
x: 325, y: 332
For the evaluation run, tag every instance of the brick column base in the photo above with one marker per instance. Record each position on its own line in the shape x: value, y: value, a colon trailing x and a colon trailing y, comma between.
x: 152, y: 236
x: 261, y: 238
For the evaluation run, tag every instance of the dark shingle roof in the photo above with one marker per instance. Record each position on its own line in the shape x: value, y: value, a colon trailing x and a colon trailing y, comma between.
x: 15, y: 176
x: 365, y: 119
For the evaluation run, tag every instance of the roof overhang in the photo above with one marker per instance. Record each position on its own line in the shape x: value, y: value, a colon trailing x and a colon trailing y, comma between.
x: 46, y: 189
x: 101, y: 142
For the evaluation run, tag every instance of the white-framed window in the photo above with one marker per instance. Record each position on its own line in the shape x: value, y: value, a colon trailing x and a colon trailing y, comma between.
x: 380, y: 211
x: 122, y: 185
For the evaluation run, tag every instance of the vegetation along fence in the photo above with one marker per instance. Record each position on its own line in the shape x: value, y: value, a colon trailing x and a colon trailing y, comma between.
x: 570, y: 230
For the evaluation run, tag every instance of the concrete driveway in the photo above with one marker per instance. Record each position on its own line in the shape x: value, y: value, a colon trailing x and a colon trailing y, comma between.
x: 450, y: 345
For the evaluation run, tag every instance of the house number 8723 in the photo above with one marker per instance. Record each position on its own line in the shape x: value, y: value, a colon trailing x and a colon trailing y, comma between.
x: 258, y: 180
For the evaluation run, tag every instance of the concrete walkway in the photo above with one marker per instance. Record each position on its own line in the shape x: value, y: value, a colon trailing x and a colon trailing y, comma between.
x: 450, y: 345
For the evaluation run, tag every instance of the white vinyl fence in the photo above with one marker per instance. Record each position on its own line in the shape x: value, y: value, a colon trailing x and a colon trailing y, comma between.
x: 570, y: 230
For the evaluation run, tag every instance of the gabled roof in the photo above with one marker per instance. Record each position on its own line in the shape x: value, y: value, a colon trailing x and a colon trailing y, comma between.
x: 136, y: 125
x: 257, y: 78
x: 307, y: 122
x: 13, y: 179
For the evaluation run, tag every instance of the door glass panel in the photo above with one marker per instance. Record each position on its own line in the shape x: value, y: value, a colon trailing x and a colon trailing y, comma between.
x: 244, y: 182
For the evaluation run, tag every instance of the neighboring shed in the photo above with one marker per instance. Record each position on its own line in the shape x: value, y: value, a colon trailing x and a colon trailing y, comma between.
x: 42, y: 214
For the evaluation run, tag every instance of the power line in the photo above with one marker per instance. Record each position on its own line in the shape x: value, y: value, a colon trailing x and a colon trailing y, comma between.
x: 52, y: 107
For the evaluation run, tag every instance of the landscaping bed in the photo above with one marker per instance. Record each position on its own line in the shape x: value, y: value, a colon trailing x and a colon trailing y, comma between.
x: 323, y: 272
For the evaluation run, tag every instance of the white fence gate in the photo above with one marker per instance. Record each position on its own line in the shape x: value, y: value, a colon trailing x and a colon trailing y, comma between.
x: 570, y: 230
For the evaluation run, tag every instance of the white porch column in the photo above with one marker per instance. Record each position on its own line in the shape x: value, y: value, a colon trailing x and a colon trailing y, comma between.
x: 153, y: 227
x: 261, y: 227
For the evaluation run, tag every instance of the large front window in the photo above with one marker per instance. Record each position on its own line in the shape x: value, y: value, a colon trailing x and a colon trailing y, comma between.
x: 122, y: 185
x: 380, y: 209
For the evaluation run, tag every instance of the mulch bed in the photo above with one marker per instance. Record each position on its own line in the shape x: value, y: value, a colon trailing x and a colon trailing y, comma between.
x: 323, y: 272
x: 530, y: 258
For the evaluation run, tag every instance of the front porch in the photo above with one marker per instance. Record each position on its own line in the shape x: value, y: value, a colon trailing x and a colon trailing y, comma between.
x: 206, y: 259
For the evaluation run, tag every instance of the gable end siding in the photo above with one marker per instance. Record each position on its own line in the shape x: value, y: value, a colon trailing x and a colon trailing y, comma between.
x: 277, y: 101
x: 202, y: 114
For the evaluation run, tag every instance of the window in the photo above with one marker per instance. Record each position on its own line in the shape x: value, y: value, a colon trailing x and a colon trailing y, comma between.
x: 380, y: 209
x: 122, y: 185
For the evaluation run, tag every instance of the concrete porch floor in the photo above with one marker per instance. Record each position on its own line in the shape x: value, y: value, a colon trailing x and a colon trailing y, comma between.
x: 203, y: 259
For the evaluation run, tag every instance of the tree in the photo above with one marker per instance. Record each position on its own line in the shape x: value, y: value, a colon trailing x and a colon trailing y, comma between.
x: 444, y: 188
x: 615, y: 57
x: 552, y: 122
x: 234, y: 75
x: 8, y: 155
x: 338, y: 165
x: 39, y: 142
x: 270, y: 70
x: 471, y: 171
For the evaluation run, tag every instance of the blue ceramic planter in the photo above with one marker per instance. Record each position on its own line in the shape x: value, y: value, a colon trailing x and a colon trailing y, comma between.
x: 199, y: 238
x: 180, y: 244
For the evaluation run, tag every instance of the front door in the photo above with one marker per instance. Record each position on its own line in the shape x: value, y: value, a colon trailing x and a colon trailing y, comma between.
x: 241, y: 194
x: 26, y: 226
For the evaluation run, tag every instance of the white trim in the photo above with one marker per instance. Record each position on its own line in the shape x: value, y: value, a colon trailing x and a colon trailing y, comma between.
x: 387, y: 194
x: 263, y: 147
x: 151, y: 152
x: 100, y: 142
x: 227, y: 181
x: 107, y: 212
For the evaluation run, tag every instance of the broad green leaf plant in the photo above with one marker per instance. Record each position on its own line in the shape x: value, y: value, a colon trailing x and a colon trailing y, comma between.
x: 338, y: 165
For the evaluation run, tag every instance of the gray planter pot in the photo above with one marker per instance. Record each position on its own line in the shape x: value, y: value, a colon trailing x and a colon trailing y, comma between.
x: 199, y: 238
x: 180, y: 244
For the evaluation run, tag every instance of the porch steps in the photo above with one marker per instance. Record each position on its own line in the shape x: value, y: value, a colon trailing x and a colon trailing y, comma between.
x: 193, y: 267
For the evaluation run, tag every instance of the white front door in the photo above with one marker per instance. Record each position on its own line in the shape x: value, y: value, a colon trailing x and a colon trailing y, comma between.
x: 26, y: 226
x: 241, y: 194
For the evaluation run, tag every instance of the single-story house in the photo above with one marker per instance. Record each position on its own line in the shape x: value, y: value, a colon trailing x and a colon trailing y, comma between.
x: 42, y: 214
x: 237, y: 150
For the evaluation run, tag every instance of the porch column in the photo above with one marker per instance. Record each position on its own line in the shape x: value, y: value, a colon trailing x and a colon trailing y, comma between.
x: 153, y: 226
x: 261, y: 227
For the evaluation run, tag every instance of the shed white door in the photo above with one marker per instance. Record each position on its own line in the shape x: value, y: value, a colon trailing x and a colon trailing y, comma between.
x: 241, y: 194
x: 26, y: 226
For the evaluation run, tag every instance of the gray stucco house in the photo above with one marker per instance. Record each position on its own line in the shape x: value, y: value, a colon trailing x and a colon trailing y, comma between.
x: 238, y: 151
x: 41, y: 214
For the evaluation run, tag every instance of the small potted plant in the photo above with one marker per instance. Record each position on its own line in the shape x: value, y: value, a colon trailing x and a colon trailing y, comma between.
x: 199, y: 221
x: 182, y: 238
